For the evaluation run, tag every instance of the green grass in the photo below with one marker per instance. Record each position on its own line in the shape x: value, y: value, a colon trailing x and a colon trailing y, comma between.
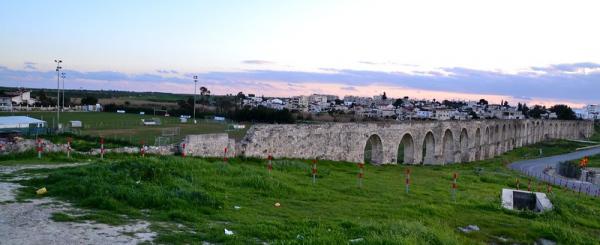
x: 127, y: 127
x: 201, y: 195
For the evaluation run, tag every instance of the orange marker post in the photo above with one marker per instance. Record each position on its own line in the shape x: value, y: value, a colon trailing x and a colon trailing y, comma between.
x: 454, y: 186
x: 270, y: 164
x: 314, y: 171
x: 529, y: 185
x: 183, y: 150
x: 225, y: 160
x: 518, y: 183
x: 407, y: 182
x: 142, y: 148
x: 69, y: 139
x: 39, y: 147
x: 101, y: 147
x: 361, y: 173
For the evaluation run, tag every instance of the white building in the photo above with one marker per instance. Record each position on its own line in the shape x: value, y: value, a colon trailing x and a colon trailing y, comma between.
x: 20, y: 97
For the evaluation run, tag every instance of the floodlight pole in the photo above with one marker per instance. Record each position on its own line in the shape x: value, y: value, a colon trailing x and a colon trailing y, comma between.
x: 63, y: 90
x: 58, y: 67
x: 195, y: 82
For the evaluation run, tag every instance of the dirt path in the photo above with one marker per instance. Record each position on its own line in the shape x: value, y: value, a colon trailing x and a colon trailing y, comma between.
x: 30, y: 223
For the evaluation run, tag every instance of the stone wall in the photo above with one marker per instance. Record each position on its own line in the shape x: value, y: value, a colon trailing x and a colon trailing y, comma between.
x: 428, y: 142
x: 208, y: 145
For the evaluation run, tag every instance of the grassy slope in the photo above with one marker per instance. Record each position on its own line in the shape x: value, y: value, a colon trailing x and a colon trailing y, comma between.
x: 201, y: 194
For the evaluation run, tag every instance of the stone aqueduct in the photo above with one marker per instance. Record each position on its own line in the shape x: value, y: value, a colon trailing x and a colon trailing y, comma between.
x: 420, y: 142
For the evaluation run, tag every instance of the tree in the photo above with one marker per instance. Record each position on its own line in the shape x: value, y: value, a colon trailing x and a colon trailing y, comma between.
x: 398, y: 102
x: 525, y: 110
x: 505, y: 104
x: 537, y: 111
x: 89, y: 100
x: 563, y: 112
x: 384, y: 96
x: 483, y: 102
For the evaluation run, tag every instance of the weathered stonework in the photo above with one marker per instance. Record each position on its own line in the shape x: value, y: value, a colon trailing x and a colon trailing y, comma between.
x: 208, y: 145
x: 427, y: 142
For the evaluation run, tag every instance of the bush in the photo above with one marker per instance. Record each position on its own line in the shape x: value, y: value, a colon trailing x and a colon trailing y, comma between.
x: 569, y: 169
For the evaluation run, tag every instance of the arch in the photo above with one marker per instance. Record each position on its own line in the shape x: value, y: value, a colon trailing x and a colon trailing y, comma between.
x: 496, y: 142
x: 448, y: 147
x: 485, y: 142
x: 464, y: 145
x: 373, y: 152
x: 477, y: 145
x: 428, y: 154
x: 406, y: 150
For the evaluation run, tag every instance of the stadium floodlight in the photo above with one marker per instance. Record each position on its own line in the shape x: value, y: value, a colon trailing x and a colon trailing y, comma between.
x: 62, y: 75
x: 195, y: 82
x: 58, y: 68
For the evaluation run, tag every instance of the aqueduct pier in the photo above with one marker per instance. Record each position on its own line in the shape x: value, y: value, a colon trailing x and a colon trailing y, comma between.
x: 411, y: 142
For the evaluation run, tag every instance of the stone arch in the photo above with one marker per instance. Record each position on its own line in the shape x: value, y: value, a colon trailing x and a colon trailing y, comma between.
x: 477, y: 144
x: 373, y: 151
x: 448, y: 147
x: 428, y: 153
x: 464, y: 145
x: 496, y: 142
x: 406, y: 150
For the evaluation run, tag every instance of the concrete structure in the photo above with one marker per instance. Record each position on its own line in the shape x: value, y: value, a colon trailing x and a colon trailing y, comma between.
x: 419, y: 142
x: 520, y: 200
x: 208, y: 145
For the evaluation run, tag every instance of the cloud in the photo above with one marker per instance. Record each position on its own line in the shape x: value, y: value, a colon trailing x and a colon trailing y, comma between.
x: 453, y: 82
x: 167, y: 71
x: 257, y: 62
x: 30, y: 65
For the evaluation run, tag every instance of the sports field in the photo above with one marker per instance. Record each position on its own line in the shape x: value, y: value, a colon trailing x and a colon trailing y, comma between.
x: 128, y: 127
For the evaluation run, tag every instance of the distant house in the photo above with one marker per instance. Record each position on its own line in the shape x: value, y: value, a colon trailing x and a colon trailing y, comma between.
x: 20, y: 97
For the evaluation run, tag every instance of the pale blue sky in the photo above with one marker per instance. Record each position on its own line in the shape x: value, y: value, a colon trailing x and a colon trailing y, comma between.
x: 392, y: 44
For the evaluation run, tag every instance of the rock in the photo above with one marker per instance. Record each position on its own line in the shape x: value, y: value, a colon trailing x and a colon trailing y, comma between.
x: 228, y: 232
x: 360, y: 239
x: 469, y: 228
x: 543, y: 241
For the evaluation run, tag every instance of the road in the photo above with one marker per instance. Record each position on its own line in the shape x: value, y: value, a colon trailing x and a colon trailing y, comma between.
x: 536, y: 169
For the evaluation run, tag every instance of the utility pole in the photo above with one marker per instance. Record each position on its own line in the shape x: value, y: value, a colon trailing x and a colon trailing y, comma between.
x: 58, y: 68
x: 195, y: 82
x: 63, y: 90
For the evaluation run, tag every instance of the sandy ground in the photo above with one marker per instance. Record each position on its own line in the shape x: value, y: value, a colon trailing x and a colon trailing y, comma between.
x: 30, y: 223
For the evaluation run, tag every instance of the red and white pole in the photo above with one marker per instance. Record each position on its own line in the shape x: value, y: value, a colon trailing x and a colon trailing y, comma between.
x: 225, y: 160
x: 270, y: 164
x: 407, y: 182
x: 454, y: 186
x: 69, y: 139
x: 314, y: 171
x: 183, y: 150
x: 143, y: 148
x: 101, y: 147
x: 361, y: 174
x: 39, y: 147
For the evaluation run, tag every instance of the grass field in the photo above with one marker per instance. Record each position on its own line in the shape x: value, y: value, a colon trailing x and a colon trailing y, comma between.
x: 127, y: 127
x: 192, y: 200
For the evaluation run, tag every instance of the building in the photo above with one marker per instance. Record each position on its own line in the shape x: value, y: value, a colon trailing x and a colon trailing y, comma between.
x: 22, y: 125
x: 6, y: 104
x: 20, y: 97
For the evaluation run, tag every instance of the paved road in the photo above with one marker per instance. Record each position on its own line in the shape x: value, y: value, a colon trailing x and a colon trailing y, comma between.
x: 536, y: 169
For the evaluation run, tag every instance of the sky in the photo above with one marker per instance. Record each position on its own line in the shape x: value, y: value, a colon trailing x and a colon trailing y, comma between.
x: 531, y: 51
